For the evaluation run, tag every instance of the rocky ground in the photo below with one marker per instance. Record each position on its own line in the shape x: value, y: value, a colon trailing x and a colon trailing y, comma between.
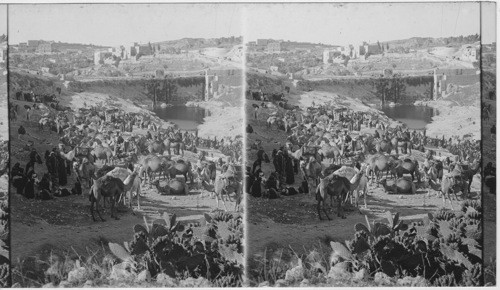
x: 459, y: 115
x: 292, y: 222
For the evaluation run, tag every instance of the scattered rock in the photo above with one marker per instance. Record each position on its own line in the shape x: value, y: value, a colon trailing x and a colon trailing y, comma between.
x: 382, y: 279
x: 340, y: 271
x: 64, y: 284
x: 360, y: 275
x: 305, y: 283
x: 295, y: 274
x: 408, y: 281
x: 144, y: 276
x: 192, y: 282
x: 77, y: 275
x: 53, y: 270
x: 280, y: 283
x: 88, y: 284
x: 264, y: 284
x: 166, y: 280
x: 120, y: 272
x: 49, y: 285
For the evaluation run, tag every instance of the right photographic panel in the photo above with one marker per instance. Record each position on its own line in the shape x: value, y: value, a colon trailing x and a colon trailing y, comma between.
x: 363, y: 133
x: 488, y: 127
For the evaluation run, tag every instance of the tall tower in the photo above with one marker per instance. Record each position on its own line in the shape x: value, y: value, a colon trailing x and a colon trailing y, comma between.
x: 207, y: 85
x: 436, y: 85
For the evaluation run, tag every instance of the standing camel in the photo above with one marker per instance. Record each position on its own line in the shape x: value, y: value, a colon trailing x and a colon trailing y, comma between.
x: 132, y: 184
x: 334, y: 186
x: 106, y: 186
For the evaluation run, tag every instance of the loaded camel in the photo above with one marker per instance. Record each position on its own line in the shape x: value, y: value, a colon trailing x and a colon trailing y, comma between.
x: 378, y: 164
x: 132, y: 184
x: 311, y: 170
x: 226, y: 184
x: 401, y: 185
x: 334, y: 186
x: 406, y: 166
x: 358, y: 181
x: 106, y: 186
x: 102, y: 153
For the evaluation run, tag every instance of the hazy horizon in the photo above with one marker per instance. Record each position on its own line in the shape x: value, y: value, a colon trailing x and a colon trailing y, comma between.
x: 351, y: 23
x: 120, y: 24
x: 327, y: 23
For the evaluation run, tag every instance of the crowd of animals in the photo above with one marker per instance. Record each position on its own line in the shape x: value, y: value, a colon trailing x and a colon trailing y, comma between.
x: 335, y: 152
x: 110, y: 154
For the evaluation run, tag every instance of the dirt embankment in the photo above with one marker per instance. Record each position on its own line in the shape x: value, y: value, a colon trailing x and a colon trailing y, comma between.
x: 459, y: 114
x: 225, y: 118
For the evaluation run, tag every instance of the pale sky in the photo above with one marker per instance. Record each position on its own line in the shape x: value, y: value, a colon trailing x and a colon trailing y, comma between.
x: 115, y: 24
x: 3, y: 19
x: 356, y: 22
x: 351, y: 23
x: 488, y: 22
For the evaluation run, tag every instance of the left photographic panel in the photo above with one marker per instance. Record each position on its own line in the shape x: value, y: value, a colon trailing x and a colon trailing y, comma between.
x: 126, y: 148
x: 4, y: 156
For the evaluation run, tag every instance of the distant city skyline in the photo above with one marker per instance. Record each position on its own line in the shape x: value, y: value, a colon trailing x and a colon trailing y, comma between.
x: 121, y: 24
x: 352, y: 23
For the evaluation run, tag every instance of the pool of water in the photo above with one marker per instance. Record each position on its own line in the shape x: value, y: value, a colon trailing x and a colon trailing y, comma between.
x: 187, y: 118
x: 415, y: 117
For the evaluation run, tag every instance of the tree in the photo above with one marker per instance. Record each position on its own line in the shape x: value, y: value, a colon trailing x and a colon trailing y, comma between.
x: 381, y: 87
x: 152, y: 87
x: 397, y: 89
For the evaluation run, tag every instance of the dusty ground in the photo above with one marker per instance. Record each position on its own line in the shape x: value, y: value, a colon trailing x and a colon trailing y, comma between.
x: 293, y: 221
x: 65, y: 224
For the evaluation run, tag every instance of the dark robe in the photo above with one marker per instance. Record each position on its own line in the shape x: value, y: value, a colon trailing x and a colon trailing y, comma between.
x: 29, y: 189
x: 63, y: 178
x: 44, y: 189
x: 52, y: 163
x: 256, y: 164
x: 255, y: 188
x: 289, y: 170
x: 278, y: 163
x: 68, y: 167
x: 19, y: 182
